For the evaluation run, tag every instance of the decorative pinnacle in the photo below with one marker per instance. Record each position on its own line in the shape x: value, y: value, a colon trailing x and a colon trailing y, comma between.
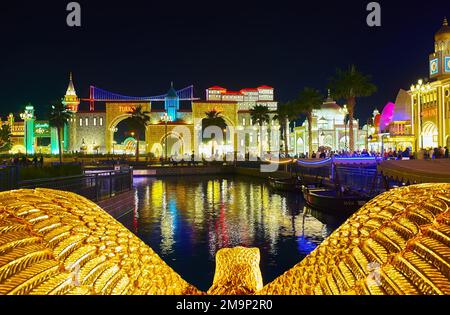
x: 445, y: 23
x: 70, y: 75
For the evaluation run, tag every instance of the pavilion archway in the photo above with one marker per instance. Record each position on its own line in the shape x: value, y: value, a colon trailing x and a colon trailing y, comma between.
x: 116, y: 113
x: 344, y: 143
x: 429, y: 135
x: 300, y: 146
x: 328, y: 141
x: 229, y: 112
x: 175, y: 145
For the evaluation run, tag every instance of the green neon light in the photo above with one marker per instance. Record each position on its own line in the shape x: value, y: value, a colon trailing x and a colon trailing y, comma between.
x: 54, y: 141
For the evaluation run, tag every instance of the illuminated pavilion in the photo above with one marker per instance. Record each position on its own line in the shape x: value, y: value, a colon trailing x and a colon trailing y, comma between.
x: 431, y: 100
x: 421, y: 118
x: 329, y: 130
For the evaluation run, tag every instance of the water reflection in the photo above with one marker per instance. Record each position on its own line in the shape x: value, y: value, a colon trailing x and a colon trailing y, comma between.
x: 186, y: 220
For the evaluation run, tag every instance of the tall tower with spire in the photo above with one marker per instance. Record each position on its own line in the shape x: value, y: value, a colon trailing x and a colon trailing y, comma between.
x: 172, y: 103
x: 71, y: 100
x: 440, y: 59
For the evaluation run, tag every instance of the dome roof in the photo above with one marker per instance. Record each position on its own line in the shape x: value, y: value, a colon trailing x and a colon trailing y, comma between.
x: 444, y: 32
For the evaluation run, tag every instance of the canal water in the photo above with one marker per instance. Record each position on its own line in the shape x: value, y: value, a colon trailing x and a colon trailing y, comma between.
x: 186, y: 220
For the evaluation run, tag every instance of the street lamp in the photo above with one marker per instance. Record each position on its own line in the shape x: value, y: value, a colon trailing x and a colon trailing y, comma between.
x: 320, y: 124
x: 382, y: 142
x: 420, y: 87
x: 25, y: 116
x: 113, y: 130
x: 165, y: 118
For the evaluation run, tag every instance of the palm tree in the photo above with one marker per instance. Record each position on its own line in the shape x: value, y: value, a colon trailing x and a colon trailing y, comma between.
x: 284, y: 114
x: 5, y: 137
x: 213, y: 118
x: 58, y: 117
x: 350, y: 84
x: 260, y: 116
x: 139, y: 119
x: 308, y: 100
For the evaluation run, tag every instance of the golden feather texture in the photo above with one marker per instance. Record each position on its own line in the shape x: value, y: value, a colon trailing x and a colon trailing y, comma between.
x: 56, y: 242
x: 398, y: 243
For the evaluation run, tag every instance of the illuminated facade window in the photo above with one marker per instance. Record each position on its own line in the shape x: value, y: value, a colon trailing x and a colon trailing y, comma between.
x: 101, y: 121
x: 86, y: 121
x: 81, y: 122
x: 95, y: 121
x: 243, y: 121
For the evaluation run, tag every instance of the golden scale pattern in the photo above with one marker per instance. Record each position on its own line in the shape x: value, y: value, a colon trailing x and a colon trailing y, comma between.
x: 398, y: 243
x: 54, y: 242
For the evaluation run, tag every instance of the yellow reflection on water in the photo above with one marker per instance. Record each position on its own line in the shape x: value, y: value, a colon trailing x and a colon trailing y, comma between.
x: 227, y: 212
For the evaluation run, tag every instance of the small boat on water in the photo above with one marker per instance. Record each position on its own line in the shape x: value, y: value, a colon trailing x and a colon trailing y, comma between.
x: 330, y: 200
x: 285, y: 184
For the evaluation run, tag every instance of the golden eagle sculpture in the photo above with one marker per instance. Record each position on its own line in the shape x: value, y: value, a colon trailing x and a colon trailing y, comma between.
x: 56, y: 242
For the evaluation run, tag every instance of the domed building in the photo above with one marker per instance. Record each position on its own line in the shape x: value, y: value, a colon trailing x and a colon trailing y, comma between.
x: 329, y: 130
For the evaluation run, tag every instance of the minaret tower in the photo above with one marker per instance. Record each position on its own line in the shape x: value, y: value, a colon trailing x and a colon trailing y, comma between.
x: 71, y: 99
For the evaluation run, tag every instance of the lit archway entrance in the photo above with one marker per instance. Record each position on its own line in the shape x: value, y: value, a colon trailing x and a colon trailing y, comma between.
x: 175, y: 146
x: 124, y: 137
x: 343, y: 143
x: 300, y: 146
x: 328, y: 141
x: 429, y: 135
x: 129, y: 146
x: 116, y: 113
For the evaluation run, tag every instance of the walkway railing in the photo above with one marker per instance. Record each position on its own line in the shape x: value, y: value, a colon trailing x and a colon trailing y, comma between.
x: 95, y: 187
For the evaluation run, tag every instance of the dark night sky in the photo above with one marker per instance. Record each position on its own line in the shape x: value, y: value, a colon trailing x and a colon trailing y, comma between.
x: 138, y: 47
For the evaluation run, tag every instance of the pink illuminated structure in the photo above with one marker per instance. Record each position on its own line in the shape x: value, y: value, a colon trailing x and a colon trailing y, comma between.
x: 386, y: 116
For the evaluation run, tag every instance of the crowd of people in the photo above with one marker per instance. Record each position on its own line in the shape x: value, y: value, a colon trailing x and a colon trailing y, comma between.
x: 391, y: 154
x: 24, y: 161
x: 436, y: 153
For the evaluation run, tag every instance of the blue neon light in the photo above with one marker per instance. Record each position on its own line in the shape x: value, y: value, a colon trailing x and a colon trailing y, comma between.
x: 316, y: 163
x: 98, y: 95
x: 340, y: 159
x: 357, y: 158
